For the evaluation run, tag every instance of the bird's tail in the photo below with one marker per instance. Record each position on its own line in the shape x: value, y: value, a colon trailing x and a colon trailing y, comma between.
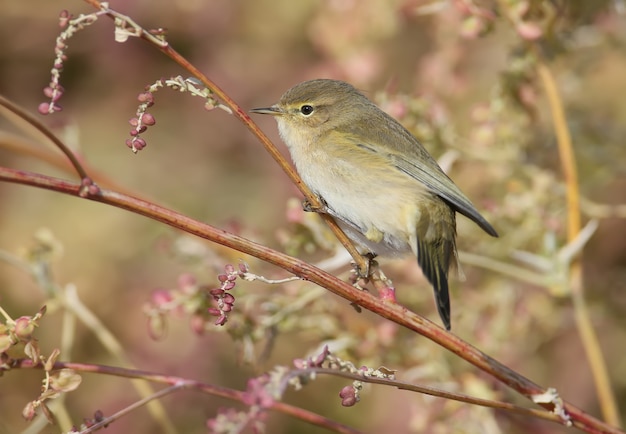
x: 434, y: 259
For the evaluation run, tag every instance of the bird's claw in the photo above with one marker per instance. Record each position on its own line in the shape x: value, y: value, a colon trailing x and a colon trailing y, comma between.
x: 307, y: 206
x: 370, y: 267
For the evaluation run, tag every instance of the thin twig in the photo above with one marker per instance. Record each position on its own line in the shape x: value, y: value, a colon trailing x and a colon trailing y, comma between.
x: 432, y: 391
x: 9, y: 105
x: 74, y: 304
x: 178, y: 383
x: 135, y: 405
x: 20, y: 146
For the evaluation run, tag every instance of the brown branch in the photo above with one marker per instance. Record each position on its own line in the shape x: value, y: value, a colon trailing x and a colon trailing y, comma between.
x: 391, y: 311
x: 179, y: 383
x: 540, y: 414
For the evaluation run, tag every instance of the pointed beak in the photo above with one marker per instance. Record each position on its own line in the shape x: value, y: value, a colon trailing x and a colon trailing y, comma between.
x: 273, y: 110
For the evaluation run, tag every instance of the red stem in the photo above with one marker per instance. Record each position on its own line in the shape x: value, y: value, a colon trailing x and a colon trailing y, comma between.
x: 392, y: 312
x: 184, y: 383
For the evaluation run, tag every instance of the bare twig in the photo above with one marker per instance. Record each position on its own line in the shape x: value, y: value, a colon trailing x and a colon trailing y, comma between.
x: 9, y: 105
x: 432, y: 391
x: 178, y: 383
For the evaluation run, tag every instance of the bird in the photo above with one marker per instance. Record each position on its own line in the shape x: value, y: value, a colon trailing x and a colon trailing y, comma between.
x: 384, y: 189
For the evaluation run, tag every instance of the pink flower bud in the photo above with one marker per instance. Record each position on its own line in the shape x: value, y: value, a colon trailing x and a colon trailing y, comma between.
x: 216, y: 292
x: 24, y: 328
x: 348, y: 396
x: 146, y: 98
x: 148, y: 120
x: 214, y: 311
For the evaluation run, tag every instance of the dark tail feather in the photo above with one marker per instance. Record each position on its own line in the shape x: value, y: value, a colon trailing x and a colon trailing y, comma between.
x: 434, y: 259
x: 442, y: 297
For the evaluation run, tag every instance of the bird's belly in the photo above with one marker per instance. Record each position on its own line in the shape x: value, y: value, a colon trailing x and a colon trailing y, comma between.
x: 376, y: 208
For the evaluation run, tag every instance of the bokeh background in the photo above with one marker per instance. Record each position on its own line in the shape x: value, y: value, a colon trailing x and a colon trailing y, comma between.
x: 460, y: 75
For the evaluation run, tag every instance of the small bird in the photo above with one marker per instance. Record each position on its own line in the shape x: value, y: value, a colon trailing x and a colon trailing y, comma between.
x: 374, y: 177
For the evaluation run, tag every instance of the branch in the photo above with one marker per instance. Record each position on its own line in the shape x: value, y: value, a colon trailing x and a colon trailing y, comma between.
x: 541, y: 414
x: 179, y: 383
x: 391, y: 311
x: 10, y: 105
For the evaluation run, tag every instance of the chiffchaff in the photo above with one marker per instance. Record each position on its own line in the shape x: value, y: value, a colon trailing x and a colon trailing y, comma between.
x: 385, y: 190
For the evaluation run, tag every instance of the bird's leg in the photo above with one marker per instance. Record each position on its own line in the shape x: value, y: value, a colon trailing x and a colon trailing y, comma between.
x: 358, y: 274
x: 374, y: 274
x: 307, y: 206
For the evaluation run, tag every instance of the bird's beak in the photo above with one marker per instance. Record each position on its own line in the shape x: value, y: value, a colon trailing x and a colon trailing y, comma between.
x: 273, y: 110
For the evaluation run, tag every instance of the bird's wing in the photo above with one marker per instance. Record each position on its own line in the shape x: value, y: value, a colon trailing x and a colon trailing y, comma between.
x: 443, y: 187
x: 413, y: 159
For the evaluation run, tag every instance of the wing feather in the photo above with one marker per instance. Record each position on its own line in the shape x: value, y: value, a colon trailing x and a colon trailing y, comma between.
x: 409, y: 156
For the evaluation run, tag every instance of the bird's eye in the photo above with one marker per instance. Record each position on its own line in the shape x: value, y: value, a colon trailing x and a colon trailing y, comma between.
x: 306, y: 109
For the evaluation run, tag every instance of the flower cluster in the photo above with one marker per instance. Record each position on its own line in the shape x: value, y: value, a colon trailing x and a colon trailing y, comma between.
x: 350, y: 394
x: 143, y: 119
x: 187, y: 298
x: 56, y: 382
x: 201, y: 302
x: 21, y: 330
x: 141, y: 122
x: 225, y: 300
x: 54, y: 90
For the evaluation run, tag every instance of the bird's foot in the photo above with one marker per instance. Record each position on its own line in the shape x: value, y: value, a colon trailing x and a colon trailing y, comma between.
x: 370, y: 267
x: 307, y: 206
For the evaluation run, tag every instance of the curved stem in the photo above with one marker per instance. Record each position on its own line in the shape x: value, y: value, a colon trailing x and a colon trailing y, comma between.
x: 11, y: 106
x: 585, y: 328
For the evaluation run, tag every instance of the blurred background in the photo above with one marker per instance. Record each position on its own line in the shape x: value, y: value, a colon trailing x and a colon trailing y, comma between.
x: 461, y: 75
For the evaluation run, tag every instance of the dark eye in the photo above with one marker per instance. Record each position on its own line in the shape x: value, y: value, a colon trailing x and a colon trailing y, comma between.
x: 306, y: 109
